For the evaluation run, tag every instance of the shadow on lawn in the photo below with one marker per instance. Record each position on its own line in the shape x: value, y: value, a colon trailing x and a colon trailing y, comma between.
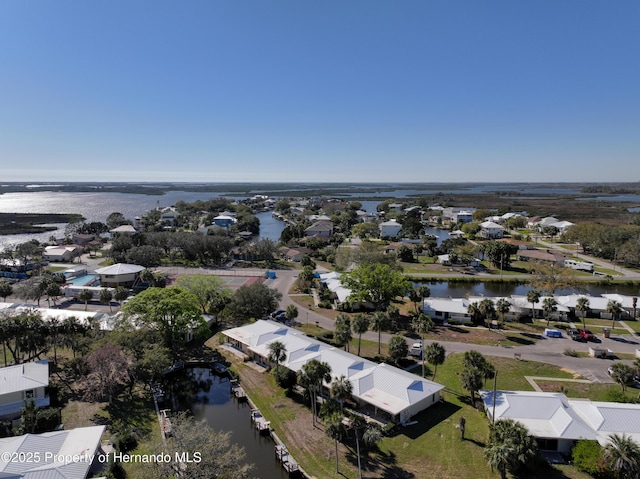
x: 429, y: 418
x: 137, y: 414
x: 383, y: 464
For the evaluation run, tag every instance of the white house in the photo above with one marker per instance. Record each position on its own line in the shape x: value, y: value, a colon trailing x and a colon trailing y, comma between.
x: 60, y: 454
x: 124, y: 230
x: 21, y: 383
x: 491, y: 230
x: 64, y: 254
x: 389, y: 229
x: 391, y: 392
x: 120, y: 274
x: 557, y: 422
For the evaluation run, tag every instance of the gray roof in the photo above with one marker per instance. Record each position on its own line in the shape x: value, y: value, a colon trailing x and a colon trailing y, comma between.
x: 23, y: 377
x: 120, y: 268
x: 77, y: 446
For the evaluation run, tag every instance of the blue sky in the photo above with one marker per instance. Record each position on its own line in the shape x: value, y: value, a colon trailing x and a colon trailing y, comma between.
x: 331, y: 90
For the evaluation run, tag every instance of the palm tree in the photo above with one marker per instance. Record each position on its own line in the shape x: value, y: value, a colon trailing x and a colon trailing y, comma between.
x: 474, y: 311
x: 311, y: 376
x: 341, y: 389
x: 105, y: 297
x: 85, y: 296
x: 360, y: 325
x: 277, y: 355
x: 533, y: 296
x: 372, y: 434
x: 378, y: 321
x: 435, y: 354
x: 614, y: 308
x: 498, y: 457
x: 334, y: 428
x: 292, y: 312
x: 622, y: 456
x: 486, y: 308
x: 471, y: 379
x: 582, y: 305
x: 502, y: 308
x: 549, y: 305
x: 343, y: 330
x: 422, y: 324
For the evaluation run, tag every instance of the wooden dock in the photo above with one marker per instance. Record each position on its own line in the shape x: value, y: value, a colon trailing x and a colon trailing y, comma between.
x: 289, y: 464
x: 165, y: 423
x: 260, y: 422
x: 238, y: 392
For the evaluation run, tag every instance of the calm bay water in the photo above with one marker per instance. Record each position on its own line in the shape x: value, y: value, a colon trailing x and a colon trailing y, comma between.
x: 98, y: 206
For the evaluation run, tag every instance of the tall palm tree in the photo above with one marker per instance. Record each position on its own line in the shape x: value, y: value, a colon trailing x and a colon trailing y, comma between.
x: 582, y: 305
x: 341, y: 389
x: 474, y: 311
x: 371, y: 435
x: 277, y: 355
x: 622, y: 456
x: 486, y: 308
x: 312, y: 375
x: 614, y: 308
x: 471, y: 379
x: 549, y: 305
x: 343, y: 330
x: 502, y: 308
x: 435, y: 354
x: 85, y: 296
x: 422, y: 324
x: 379, y: 321
x: 533, y: 297
x: 334, y: 429
x: 360, y: 325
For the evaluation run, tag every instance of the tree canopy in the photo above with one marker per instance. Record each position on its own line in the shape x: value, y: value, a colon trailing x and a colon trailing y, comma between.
x: 377, y: 284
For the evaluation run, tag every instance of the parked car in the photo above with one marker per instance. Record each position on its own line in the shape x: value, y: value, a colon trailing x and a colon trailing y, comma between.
x: 575, y: 335
x: 416, y: 350
x: 278, y: 314
x: 587, y: 335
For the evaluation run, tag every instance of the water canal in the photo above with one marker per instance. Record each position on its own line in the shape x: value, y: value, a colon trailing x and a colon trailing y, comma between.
x: 208, y: 396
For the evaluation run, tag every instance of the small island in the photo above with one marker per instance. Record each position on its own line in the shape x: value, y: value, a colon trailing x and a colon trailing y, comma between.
x: 30, y: 223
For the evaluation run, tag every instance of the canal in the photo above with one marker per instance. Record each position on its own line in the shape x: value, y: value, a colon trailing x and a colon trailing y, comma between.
x: 208, y: 396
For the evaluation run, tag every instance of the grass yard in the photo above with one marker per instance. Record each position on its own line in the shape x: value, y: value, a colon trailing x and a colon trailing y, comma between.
x: 430, y: 448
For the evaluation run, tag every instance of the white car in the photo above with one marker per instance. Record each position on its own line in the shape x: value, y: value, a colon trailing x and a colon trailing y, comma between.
x: 415, y: 350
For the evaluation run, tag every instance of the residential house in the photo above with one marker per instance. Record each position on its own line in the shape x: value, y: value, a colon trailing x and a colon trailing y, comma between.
x: 62, y: 454
x: 21, y: 383
x: 124, y: 230
x: 458, y: 215
x: 558, y: 422
x: 386, y: 392
x: 168, y: 215
x: 447, y: 309
x: 490, y: 230
x: 365, y: 216
x: 63, y: 254
x: 120, y: 274
x: 224, y: 221
x: 320, y: 229
x: 395, y: 207
x: 390, y: 229
x: 294, y: 254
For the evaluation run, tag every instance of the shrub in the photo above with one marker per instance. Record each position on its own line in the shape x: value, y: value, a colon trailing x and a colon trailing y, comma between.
x: 570, y: 352
x: 586, y: 456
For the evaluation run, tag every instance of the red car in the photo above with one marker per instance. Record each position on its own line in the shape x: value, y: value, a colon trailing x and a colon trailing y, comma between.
x: 587, y: 335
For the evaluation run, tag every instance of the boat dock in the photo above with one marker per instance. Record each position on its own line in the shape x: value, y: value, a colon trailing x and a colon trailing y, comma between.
x: 260, y: 422
x: 289, y: 464
x: 165, y: 423
x: 237, y: 391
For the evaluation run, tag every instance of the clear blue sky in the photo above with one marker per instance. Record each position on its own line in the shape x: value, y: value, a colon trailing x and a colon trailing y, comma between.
x: 325, y: 90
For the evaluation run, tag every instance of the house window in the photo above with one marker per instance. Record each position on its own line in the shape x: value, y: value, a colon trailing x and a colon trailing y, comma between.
x: 29, y: 394
x: 547, y: 444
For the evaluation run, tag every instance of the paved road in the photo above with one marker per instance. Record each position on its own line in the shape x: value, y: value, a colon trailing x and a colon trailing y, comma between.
x: 546, y: 350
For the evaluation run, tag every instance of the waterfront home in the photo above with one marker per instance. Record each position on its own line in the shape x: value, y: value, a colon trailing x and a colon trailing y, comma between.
x: 62, y: 254
x: 73, y: 453
x: 21, y: 383
x: 447, y: 309
x: 128, y: 230
x: 380, y: 390
x: 224, y: 221
x: 557, y: 422
x: 390, y: 229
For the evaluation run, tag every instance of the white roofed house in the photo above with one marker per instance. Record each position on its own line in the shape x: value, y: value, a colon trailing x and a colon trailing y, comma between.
x: 120, y: 274
x: 20, y: 383
x: 447, y: 309
x: 390, y: 229
x: 380, y: 390
x: 128, y: 230
x: 557, y: 422
x: 67, y: 454
x: 64, y: 254
x: 491, y: 230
